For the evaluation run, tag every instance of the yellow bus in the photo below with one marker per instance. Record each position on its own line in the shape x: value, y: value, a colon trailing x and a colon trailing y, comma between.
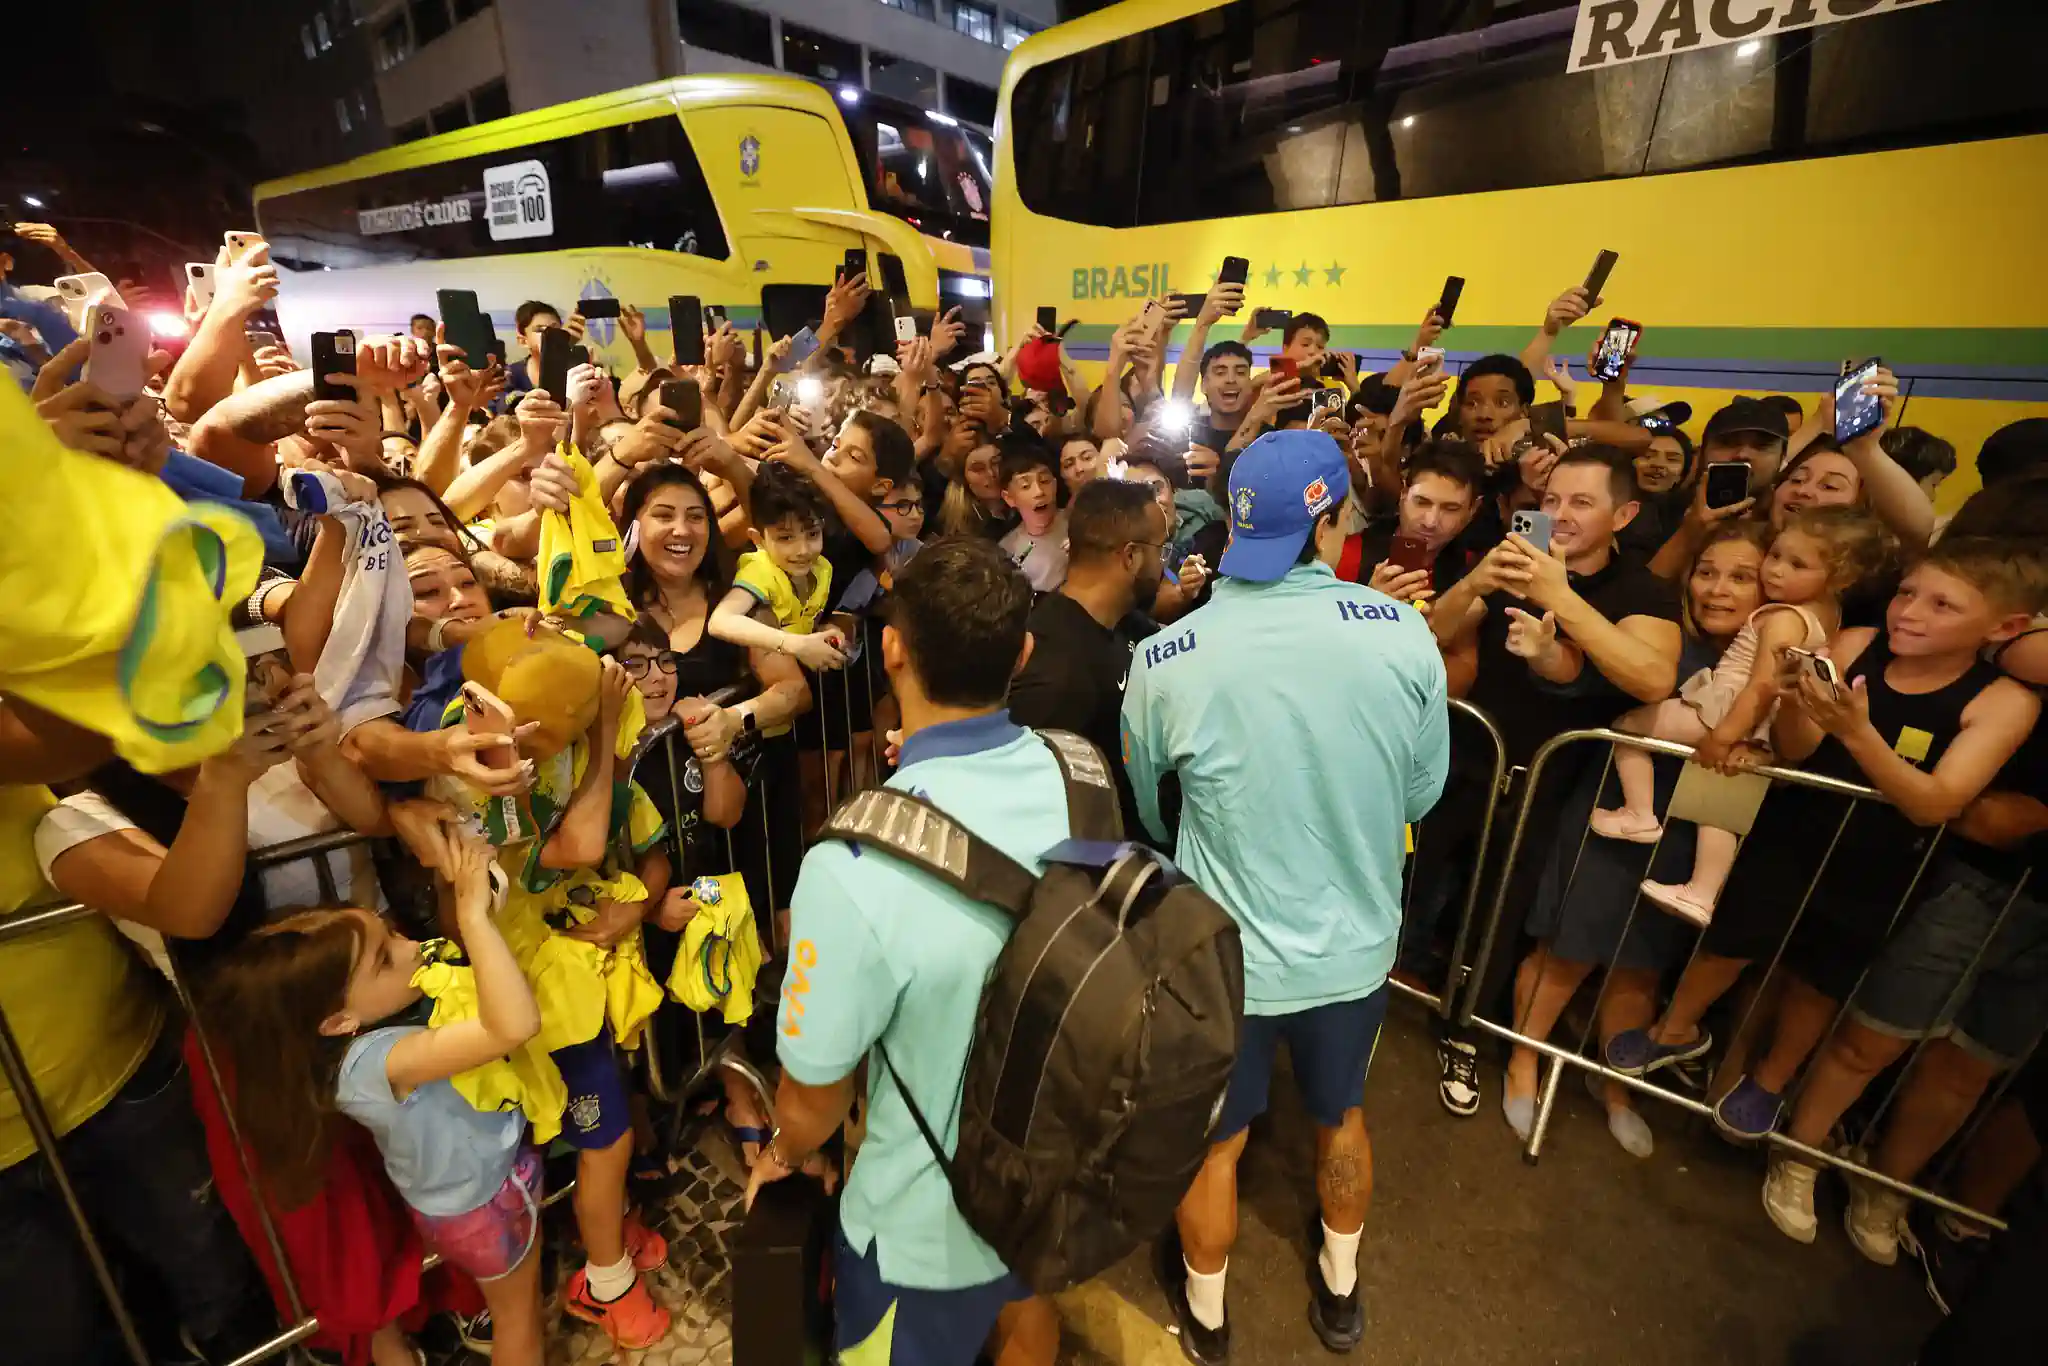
x: 1780, y: 204
x: 744, y: 191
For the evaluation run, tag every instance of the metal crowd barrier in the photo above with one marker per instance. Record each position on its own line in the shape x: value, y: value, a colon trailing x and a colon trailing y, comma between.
x: 1444, y: 1000
x: 1560, y: 1058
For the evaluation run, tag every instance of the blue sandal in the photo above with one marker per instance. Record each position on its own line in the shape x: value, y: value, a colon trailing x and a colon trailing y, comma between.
x: 1633, y: 1053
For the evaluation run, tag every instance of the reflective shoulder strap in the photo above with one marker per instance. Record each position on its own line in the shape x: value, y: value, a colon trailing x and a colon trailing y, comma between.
x: 1093, y: 812
x: 912, y: 829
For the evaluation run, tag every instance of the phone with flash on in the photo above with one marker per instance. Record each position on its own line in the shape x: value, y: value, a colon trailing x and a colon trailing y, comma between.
x: 1533, y: 527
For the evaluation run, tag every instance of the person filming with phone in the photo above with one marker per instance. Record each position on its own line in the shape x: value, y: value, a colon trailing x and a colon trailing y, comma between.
x: 1404, y: 556
x: 1557, y: 631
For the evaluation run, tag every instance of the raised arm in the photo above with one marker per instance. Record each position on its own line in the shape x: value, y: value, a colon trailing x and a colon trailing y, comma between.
x: 205, y: 373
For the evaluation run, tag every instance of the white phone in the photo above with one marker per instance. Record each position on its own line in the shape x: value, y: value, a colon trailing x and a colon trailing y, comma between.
x: 118, y: 361
x: 240, y: 244
x: 906, y: 328
x: 80, y: 292
x: 1429, y: 358
x: 199, y: 278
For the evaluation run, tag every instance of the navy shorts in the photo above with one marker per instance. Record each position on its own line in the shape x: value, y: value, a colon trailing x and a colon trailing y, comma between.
x: 1330, y: 1047
x: 598, y: 1110
x: 930, y: 1327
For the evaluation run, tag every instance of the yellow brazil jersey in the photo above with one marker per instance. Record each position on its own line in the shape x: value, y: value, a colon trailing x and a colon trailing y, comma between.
x: 83, y: 1007
x: 582, y: 556
x: 768, y: 583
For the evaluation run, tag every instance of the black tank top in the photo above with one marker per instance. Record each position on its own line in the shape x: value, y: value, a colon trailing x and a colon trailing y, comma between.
x: 1919, y: 727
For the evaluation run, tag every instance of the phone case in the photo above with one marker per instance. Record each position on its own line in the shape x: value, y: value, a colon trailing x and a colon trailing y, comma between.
x: 555, y: 348
x: 686, y: 328
x: 484, y: 714
x: 1596, y: 279
x: 199, y: 276
x: 118, y: 362
x: 1234, y: 271
x: 598, y: 308
x: 1447, y: 304
x: 240, y: 244
x: 906, y: 327
x: 333, y: 353
x: 802, y: 347
x: 683, y: 398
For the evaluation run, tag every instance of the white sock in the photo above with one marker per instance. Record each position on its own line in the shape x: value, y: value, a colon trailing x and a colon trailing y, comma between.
x: 1205, y: 1295
x: 607, y: 1283
x: 1340, y: 1259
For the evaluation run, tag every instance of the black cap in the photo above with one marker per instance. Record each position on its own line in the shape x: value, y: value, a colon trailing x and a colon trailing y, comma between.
x: 1746, y: 414
x: 2014, y: 450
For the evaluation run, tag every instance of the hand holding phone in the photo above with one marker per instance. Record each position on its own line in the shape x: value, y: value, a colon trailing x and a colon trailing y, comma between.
x: 1236, y: 269
x: 334, y: 353
x: 483, y: 713
x: 1533, y: 527
x: 1857, y: 413
x: 1272, y: 319
x: 598, y: 308
x: 1409, y: 553
x: 1616, y: 349
x: 683, y: 398
x: 117, y: 362
x: 1727, y: 483
x: 556, y: 356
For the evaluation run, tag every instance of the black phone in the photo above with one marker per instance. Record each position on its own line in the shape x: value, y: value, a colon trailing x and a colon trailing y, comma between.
x: 464, y: 324
x: 1447, y: 303
x: 1190, y: 305
x: 598, y: 308
x: 686, y: 401
x: 579, y: 354
x: 1617, y: 347
x: 1049, y: 318
x: 879, y: 318
x: 1547, y: 419
x: 1272, y: 319
x: 1235, y: 270
x: 1855, y: 411
x: 856, y: 263
x: 1727, y: 483
x: 334, y: 353
x: 685, y: 319
x: 894, y: 283
x: 556, y: 356
x: 264, y: 320
x: 1596, y: 278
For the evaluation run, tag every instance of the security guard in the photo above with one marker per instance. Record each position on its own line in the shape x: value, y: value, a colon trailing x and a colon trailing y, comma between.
x: 1306, y: 720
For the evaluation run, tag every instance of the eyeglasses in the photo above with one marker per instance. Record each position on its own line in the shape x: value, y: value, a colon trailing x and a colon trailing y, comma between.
x: 904, y: 505
x: 1159, y: 546
x: 640, y: 666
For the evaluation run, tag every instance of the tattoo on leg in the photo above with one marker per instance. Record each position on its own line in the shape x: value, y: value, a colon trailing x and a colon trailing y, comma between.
x: 1338, y: 1176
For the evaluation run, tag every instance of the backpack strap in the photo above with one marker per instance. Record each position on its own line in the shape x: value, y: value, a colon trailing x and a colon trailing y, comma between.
x: 912, y: 829
x: 1093, y: 811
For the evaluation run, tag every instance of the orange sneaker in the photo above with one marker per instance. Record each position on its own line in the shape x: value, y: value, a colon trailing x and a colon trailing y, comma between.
x: 647, y: 1248
x: 631, y: 1320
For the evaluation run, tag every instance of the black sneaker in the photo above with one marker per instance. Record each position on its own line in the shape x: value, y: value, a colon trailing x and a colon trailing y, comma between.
x: 1949, y: 1263
x: 1203, y: 1346
x: 1339, y: 1320
x: 1458, y: 1076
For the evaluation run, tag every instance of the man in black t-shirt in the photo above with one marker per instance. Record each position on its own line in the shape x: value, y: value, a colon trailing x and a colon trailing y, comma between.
x: 1551, y: 640
x: 1083, y: 635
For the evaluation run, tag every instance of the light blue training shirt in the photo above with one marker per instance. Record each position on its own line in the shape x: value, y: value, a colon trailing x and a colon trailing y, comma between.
x: 881, y: 951
x: 444, y: 1155
x: 1307, y: 721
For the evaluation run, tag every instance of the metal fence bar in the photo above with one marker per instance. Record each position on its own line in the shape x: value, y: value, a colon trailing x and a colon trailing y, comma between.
x: 1560, y: 1057
x: 1460, y: 972
x: 16, y: 1067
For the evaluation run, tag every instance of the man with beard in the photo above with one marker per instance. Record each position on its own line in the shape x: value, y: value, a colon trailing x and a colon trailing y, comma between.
x: 1083, y: 635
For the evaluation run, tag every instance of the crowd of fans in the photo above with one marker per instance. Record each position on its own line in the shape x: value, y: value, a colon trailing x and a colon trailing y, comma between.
x: 489, y: 601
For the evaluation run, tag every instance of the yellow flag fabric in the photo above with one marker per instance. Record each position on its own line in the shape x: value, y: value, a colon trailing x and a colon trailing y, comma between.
x: 526, y: 1080
x: 720, y: 955
x: 118, y: 594
x: 582, y: 555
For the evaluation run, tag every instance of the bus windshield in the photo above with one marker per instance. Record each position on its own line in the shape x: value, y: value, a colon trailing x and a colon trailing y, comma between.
x: 924, y: 168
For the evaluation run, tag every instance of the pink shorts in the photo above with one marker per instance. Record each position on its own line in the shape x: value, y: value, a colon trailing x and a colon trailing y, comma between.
x: 490, y: 1241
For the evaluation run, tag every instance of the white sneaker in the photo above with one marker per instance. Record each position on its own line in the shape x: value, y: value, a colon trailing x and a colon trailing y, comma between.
x: 1873, y: 1219
x: 1788, y: 1199
x: 1458, y: 1076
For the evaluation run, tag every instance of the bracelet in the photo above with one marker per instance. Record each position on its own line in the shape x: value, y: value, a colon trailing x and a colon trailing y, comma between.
x: 775, y: 1153
x: 437, y: 636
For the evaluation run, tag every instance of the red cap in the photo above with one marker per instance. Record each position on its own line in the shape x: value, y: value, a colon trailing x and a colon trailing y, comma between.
x: 1038, y: 363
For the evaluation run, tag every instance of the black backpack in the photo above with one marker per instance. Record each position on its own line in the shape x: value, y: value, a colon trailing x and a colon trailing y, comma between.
x: 1107, y: 1033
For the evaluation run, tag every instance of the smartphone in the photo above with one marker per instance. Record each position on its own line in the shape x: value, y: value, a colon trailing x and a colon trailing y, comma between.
x: 1409, y: 552
x: 1596, y: 278
x: 263, y: 323
x: 76, y: 293
x: 686, y: 326
x: 802, y: 347
x: 579, y: 354
x: 199, y: 279
x: 856, y: 263
x: 1855, y: 411
x: 1234, y: 272
x: 267, y: 666
x: 1533, y: 527
x: 334, y: 353
x: 484, y: 714
x: 464, y: 324
x: 1547, y: 419
x: 598, y: 308
x: 1285, y: 367
x: 240, y: 244
x: 1727, y: 483
x: 1191, y: 304
x: 1820, y: 666
x: 894, y: 283
x: 714, y: 317
x: 1321, y: 401
x: 686, y: 401
x: 1447, y: 302
x: 555, y: 360
x: 1272, y: 319
x: 906, y: 327
x: 1616, y: 349
x: 118, y: 362
x: 1049, y: 318
x: 1428, y: 358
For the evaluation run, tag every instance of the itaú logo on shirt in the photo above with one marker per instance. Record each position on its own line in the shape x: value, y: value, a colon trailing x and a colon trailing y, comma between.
x: 1156, y: 655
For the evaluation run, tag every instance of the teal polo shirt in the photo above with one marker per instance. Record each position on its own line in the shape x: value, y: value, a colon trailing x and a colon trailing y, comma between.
x: 1307, y: 721
x: 882, y: 951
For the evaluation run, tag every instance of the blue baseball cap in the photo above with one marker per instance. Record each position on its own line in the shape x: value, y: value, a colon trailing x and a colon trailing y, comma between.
x: 1281, y: 484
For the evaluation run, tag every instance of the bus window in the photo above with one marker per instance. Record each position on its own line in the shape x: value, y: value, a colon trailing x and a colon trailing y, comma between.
x: 635, y: 184
x: 934, y: 175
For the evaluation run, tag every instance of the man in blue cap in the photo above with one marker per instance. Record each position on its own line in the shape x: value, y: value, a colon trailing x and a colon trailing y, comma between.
x: 1306, y: 720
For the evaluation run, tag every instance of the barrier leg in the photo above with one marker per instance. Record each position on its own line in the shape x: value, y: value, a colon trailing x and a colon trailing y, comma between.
x: 1459, y: 973
x: 45, y: 1135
